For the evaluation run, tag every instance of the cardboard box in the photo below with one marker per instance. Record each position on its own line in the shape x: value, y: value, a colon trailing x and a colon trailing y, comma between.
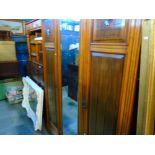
x: 7, y: 51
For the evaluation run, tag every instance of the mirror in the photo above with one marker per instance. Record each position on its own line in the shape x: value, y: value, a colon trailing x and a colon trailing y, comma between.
x: 70, y: 34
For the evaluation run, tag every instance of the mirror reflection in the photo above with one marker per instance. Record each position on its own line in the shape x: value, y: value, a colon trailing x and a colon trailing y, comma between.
x: 70, y: 33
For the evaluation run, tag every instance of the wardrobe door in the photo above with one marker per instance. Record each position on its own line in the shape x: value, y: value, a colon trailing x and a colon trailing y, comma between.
x: 109, y: 54
x: 52, y: 75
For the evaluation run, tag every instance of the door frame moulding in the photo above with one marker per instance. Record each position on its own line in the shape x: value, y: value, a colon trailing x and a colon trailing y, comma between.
x: 146, y: 101
x: 129, y: 78
x: 47, y: 117
x: 83, y: 80
x: 58, y: 75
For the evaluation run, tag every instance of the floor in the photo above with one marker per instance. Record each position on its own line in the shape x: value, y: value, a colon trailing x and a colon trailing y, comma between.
x: 14, y: 121
x: 70, y: 114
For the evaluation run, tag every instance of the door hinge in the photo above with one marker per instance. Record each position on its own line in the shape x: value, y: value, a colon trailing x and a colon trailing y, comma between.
x: 84, y: 104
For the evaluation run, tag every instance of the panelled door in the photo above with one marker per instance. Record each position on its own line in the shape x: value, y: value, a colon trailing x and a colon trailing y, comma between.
x: 52, y: 75
x: 109, y: 55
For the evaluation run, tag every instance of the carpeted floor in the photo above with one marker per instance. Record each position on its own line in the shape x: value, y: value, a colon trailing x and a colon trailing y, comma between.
x: 14, y: 121
x: 70, y: 114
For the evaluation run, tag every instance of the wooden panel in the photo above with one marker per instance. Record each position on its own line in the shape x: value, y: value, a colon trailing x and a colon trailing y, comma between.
x: 146, y: 103
x: 35, y: 71
x: 110, y: 30
x: 49, y: 30
x: 124, y: 41
x: 35, y: 46
x: 129, y: 78
x: 51, y: 85
x: 83, y: 79
x: 105, y: 84
x: 52, y: 75
x: 58, y: 75
x: 9, y: 69
x: 111, y: 48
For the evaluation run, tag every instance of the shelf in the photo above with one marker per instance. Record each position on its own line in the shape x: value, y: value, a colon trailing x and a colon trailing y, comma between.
x: 35, y: 43
x: 34, y: 54
x: 38, y: 38
x: 34, y: 29
x: 37, y: 63
x: 34, y: 33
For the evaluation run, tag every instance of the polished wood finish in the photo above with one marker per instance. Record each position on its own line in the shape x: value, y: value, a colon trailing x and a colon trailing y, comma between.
x: 146, y: 102
x: 35, y: 65
x: 125, y: 41
x: 109, y: 30
x: 50, y: 54
x: 105, y: 84
x: 52, y: 75
x: 35, y: 71
x: 109, y: 48
x: 34, y: 46
x: 129, y: 77
x: 83, y: 81
x: 49, y: 31
x: 46, y: 98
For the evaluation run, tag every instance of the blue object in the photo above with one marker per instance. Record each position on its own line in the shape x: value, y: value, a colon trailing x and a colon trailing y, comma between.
x: 68, y: 56
x: 22, y: 56
x: 19, y: 38
x: 21, y: 52
x: 21, y: 48
x: 22, y: 68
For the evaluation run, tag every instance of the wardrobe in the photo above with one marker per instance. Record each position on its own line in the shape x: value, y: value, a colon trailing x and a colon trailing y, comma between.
x: 107, y: 75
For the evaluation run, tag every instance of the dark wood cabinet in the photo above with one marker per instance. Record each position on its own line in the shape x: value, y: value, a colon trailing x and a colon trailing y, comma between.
x: 35, y: 71
x: 72, y: 81
x: 9, y: 69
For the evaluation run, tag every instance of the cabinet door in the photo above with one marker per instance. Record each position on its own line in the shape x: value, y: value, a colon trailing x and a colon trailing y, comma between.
x: 52, y: 75
x: 109, y: 55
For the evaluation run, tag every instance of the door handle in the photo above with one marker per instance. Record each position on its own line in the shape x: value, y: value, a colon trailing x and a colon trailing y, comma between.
x: 84, y: 104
